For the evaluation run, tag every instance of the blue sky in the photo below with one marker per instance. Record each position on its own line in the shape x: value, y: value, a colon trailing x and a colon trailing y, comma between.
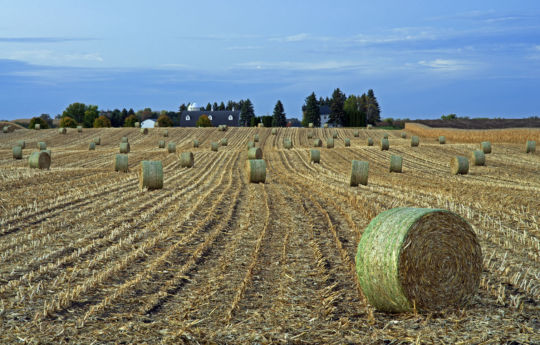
x: 422, y: 58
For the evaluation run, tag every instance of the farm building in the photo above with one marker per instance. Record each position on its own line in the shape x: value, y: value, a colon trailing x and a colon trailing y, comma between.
x: 189, y: 117
x: 148, y: 123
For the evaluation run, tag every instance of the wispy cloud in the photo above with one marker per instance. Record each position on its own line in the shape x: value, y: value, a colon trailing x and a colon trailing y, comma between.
x: 42, y: 39
x: 50, y: 57
x: 244, y: 47
x: 302, y: 66
x: 446, y: 65
x: 291, y: 38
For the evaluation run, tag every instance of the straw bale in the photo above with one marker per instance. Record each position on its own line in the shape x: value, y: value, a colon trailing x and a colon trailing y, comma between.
x: 315, y: 156
x: 442, y: 140
x: 310, y: 125
x: 47, y: 152
x: 260, y: 125
x: 195, y: 143
x: 41, y: 145
x: 330, y: 143
x: 369, y: 142
x: 478, y: 157
x: 317, y: 143
x: 97, y: 140
x: 287, y: 143
x: 459, y: 165
x: 17, y: 152
x: 124, y: 148
x: 256, y: 170
x: 428, y: 259
x: 325, y: 125
x: 385, y: 144
x: 250, y: 145
x: 485, y: 146
x: 396, y: 163
x: 92, y: 146
x: 171, y: 147
x: 62, y: 130
x: 403, y: 135
x: 121, y: 163
x: 255, y: 153
x: 224, y: 142
x: 37, y: 126
x: 369, y: 126
x: 161, y: 144
x: 79, y: 129
x: 137, y: 124
x: 5, y: 129
x: 274, y: 131
x: 356, y: 133
x: 21, y: 143
x: 39, y: 160
x: 166, y: 133
x: 256, y: 138
x: 334, y: 134
x: 415, y: 141
x: 347, y: 142
x: 385, y: 136
x: 186, y: 160
x: 310, y: 135
x: 530, y: 146
x: 124, y: 140
x: 151, y: 175
x: 359, y: 173
x: 214, y: 146
x: 144, y: 130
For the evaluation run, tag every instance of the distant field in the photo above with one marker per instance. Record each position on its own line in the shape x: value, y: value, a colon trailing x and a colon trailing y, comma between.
x: 86, y: 257
x: 483, y: 123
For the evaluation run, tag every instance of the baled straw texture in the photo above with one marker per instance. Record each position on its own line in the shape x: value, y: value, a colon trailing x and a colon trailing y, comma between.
x: 21, y: 143
x: 415, y: 141
x: 92, y: 146
x: 186, y: 160
x: 442, y: 140
x: 124, y: 140
x: 97, y: 140
x: 369, y: 142
x: 459, y: 165
x: 330, y: 143
x: 79, y: 129
x: 17, y: 152
x: 161, y: 144
x: 250, y: 145
x: 256, y: 138
x: 171, y: 147
x: 347, y: 142
x: 214, y: 146
x: 385, y: 144
x: 224, y: 142
x: 47, y: 152
x: 478, y: 157
x: 421, y: 258
x: 255, y: 153
x: 41, y: 145
x: 195, y: 143
x: 317, y: 143
x: 274, y: 131
x: 359, y: 173
x: 37, y: 126
x: 310, y: 125
x: 315, y: 156
x: 530, y: 146
x: 334, y: 134
x: 385, y: 136
x: 166, y: 133
x: 356, y: 133
x: 485, y: 146
x: 124, y: 148
x: 144, y: 130
x: 121, y: 163
x: 403, y: 135
x: 39, y: 160
x: 151, y: 175
x: 62, y: 130
x: 256, y: 170
x: 396, y: 164
x: 287, y: 143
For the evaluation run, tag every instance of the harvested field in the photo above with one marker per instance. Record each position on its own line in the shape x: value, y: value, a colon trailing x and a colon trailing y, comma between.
x: 87, y: 257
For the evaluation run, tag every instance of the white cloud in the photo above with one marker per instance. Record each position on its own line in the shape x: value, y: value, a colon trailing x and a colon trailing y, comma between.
x: 50, y: 57
x: 302, y: 66
x: 292, y: 38
x: 445, y: 65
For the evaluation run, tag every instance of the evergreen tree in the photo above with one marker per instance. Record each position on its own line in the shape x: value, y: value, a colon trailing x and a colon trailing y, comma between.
x: 230, y: 105
x: 355, y: 115
x: 182, y: 108
x: 312, y: 113
x: 373, y: 110
x: 337, y: 115
x: 124, y: 116
x: 116, y: 118
x: 209, y: 107
x: 278, y: 118
x: 214, y: 106
x: 131, y: 112
x: 221, y: 106
x: 246, y: 112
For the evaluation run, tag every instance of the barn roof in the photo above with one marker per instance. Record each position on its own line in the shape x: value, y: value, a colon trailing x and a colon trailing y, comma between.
x: 220, y: 117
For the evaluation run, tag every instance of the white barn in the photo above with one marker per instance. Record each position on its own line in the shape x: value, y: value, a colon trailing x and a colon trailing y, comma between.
x: 148, y: 123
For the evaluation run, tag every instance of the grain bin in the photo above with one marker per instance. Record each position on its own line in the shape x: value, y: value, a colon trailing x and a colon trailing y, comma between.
x: 21, y: 143
x: 317, y: 143
x: 214, y: 146
x: 39, y: 160
x: 171, y: 147
x: 92, y: 146
x: 195, y: 143
x: 478, y: 157
x: 124, y: 148
x: 161, y: 144
x: 356, y: 133
x: 255, y: 153
x: 121, y: 162
x: 17, y: 152
x: 79, y: 129
x: 37, y: 126
x: 403, y: 135
x: 41, y: 145
x: 369, y: 142
x: 530, y: 146
x: 274, y: 131
x: 415, y: 141
x: 62, y: 130
x: 330, y: 143
x: 97, y: 141
x: 224, y: 142
x: 287, y: 143
x: 442, y: 140
x: 459, y: 165
x: 396, y: 163
x: 166, y: 133
x: 256, y: 170
x: 334, y: 134
x: 315, y: 156
x: 256, y: 138
x: 485, y: 146
x: 418, y: 258
x: 186, y: 160
x: 347, y: 142
x: 144, y: 131
x: 151, y: 175
x: 359, y: 173
x: 385, y: 144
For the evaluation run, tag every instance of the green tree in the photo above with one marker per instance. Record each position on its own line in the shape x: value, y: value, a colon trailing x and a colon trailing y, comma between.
x: 373, y: 110
x: 215, y: 106
x: 68, y: 122
x: 337, y: 115
x: 182, y: 107
x: 90, y: 115
x: 449, y: 117
x: 221, y: 106
x: 230, y: 105
x: 164, y: 121
x: 267, y: 120
x: 246, y: 113
x: 254, y: 122
x: 116, y: 118
x: 131, y: 112
x: 278, y: 117
x: 38, y: 120
x: 102, y: 121
x: 123, y: 116
x: 203, y: 121
x: 47, y: 118
x: 312, y: 112
x: 130, y: 120
x: 76, y: 112
x: 355, y: 114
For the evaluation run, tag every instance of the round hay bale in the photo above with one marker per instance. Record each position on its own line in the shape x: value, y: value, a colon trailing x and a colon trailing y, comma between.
x: 39, y: 160
x: 274, y: 131
x: 310, y: 125
x: 530, y: 146
x: 97, y: 140
x: 224, y: 142
x: 385, y: 136
x: 403, y: 135
x: 370, y: 126
x: 442, y: 140
x: 21, y: 143
x: 396, y: 163
x: 356, y: 133
x: 195, y: 143
x: 255, y: 153
x: 385, y: 144
x: 186, y: 160
x: 161, y: 144
x: 166, y: 133
x: 256, y: 170
x: 79, y: 129
x: 17, y: 152
x: 359, y: 173
x: 5, y: 129
x: 317, y: 143
x: 485, y: 146
x: 220, y: 128
x: 225, y: 127
x: 137, y: 124
x: 415, y: 141
x: 428, y: 259
x: 151, y: 175
x: 478, y: 157
x: 330, y: 143
x: 47, y: 152
x: 369, y: 142
x: 121, y: 163
x: 347, y: 142
x: 287, y: 143
x: 260, y: 125
x: 124, y: 148
x: 310, y: 135
x: 124, y: 140
x: 171, y: 147
x: 144, y: 131
x: 41, y: 145
x: 334, y: 135
x: 256, y: 138
x: 37, y: 126
x: 315, y: 156
x: 92, y: 146
x: 62, y: 130
x: 459, y: 165
x: 214, y: 146
x: 325, y: 125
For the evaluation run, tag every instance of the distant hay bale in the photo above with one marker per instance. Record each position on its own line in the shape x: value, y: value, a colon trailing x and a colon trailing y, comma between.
x: 418, y: 258
x: 385, y: 144
x: 221, y: 128
x: 171, y: 147
x: 334, y: 134
x: 92, y: 146
x: 37, y: 126
x: 97, y: 140
x: 369, y: 142
x: 21, y: 143
x: 415, y: 141
x: 166, y: 133
x: 256, y: 138
x: 310, y: 135
x: 47, y: 152
x: 403, y: 135
x: 17, y: 152
x: 310, y: 125
x: 260, y: 125
x: 256, y: 170
x: 347, y: 142
x: 486, y: 146
x: 124, y: 148
x: 459, y: 165
x: 478, y: 157
x: 62, y: 130
x: 224, y: 142
x: 161, y: 144
x: 137, y: 124
x: 121, y: 163
x: 530, y: 146
x: 144, y: 131
x: 369, y: 126
x: 442, y: 140
x: 396, y: 163
x: 186, y: 160
x: 5, y: 129
x: 255, y: 153
x: 41, y: 145
x: 359, y: 173
x: 356, y: 133
x: 151, y: 175
x: 79, y: 129
x: 287, y: 143
x: 315, y: 156
x: 330, y: 143
x: 39, y: 160
x: 385, y: 136
x: 214, y: 146
x: 274, y: 131
x: 250, y: 145
x: 124, y: 140
x: 195, y: 143
x: 325, y: 125
x: 317, y: 143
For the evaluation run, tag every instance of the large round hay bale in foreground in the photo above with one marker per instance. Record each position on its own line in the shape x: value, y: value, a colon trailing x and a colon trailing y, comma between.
x: 330, y: 143
x: 92, y: 146
x: 403, y: 135
x: 356, y: 133
x: 124, y: 148
x: 385, y: 144
x: 195, y: 143
x: 442, y: 140
x: 256, y: 138
x: 214, y: 146
x: 369, y: 142
x: 39, y: 160
x: 428, y: 259
x: 17, y: 152
x: 274, y: 131
x: 317, y: 143
x: 347, y: 142
x: 21, y: 143
x: 62, y: 130
x: 37, y: 126
x: 287, y: 143
x: 256, y: 170
x: 224, y: 142
x: 459, y: 165
x: 315, y: 156
x: 47, y: 152
x: 396, y: 163
x: 97, y: 140
x: 41, y: 145
x: 124, y: 140
x: 186, y: 160
x: 121, y: 163
x: 255, y: 153
x: 478, y: 157
x: 144, y: 131
x: 415, y: 141
x: 530, y: 146
x: 161, y: 144
x: 79, y: 129
x: 486, y: 146
x: 151, y: 175
x: 359, y: 173
x: 171, y: 147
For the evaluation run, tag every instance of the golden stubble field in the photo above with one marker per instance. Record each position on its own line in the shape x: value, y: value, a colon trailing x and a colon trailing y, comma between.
x: 86, y: 257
